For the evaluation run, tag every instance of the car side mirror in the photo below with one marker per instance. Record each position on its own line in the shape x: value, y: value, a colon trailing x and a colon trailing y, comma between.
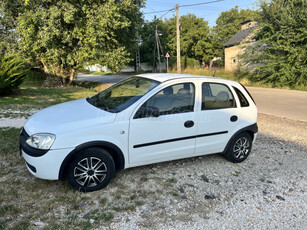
x: 149, y: 111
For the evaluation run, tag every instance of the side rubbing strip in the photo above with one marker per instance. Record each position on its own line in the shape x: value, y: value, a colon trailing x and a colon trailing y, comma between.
x: 178, y: 139
x: 211, y: 134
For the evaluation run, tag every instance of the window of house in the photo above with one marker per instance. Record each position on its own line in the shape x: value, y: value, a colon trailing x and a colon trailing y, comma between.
x: 234, y: 60
x: 216, y: 96
x: 242, y: 98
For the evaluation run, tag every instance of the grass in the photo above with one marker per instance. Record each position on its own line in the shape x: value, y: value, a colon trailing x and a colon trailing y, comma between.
x: 38, y: 97
x: 9, y: 141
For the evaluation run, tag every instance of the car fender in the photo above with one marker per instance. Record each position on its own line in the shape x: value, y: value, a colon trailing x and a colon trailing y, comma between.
x: 114, y: 150
x: 252, y: 129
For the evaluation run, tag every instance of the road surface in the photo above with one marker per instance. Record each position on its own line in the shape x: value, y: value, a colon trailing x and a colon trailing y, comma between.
x: 279, y: 102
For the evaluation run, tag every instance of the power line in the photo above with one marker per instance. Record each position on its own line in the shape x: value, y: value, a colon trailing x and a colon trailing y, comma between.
x: 161, y: 11
x: 196, y: 4
x: 203, y: 3
x: 166, y: 13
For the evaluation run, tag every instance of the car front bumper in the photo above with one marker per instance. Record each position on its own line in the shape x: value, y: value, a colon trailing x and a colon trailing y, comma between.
x: 46, y: 166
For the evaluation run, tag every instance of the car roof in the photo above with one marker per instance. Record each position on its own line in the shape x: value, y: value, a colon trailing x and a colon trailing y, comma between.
x: 162, y: 77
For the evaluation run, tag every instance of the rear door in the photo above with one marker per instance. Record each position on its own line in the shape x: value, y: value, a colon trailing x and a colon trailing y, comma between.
x: 169, y: 136
x: 217, y: 118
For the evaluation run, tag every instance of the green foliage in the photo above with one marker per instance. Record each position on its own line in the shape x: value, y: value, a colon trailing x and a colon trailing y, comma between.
x: 9, y: 10
x: 64, y: 35
x: 228, y: 24
x: 186, y: 62
x: 35, y: 77
x: 279, y: 56
x: 12, y: 73
x: 147, y: 36
x: 195, y: 38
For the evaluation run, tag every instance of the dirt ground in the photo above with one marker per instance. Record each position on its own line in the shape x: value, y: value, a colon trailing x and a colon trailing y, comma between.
x: 267, y: 191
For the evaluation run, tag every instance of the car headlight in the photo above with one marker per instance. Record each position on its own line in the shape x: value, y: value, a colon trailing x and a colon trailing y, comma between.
x: 41, y: 140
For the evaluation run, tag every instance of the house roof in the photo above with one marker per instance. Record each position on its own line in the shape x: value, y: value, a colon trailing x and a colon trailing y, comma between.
x: 246, y: 21
x: 239, y: 36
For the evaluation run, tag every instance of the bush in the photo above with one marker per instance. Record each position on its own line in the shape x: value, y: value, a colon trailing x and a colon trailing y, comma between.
x: 35, y: 77
x: 82, y: 70
x: 186, y: 62
x: 12, y: 73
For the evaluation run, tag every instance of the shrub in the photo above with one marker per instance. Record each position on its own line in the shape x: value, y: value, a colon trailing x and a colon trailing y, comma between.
x: 186, y: 62
x: 35, y: 77
x: 12, y: 73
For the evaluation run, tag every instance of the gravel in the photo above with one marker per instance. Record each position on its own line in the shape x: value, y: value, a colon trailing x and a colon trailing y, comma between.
x: 267, y: 191
x: 14, y: 118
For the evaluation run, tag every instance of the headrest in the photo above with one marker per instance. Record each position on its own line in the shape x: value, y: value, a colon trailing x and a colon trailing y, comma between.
x: 168, y: 91
x: 222, y: 96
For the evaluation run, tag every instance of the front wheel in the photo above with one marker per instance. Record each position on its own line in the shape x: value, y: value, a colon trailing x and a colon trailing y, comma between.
x: 239, y: 148
x: 90, y: 170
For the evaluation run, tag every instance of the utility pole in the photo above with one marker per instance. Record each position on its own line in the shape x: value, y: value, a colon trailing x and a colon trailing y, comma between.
x: 178, y: 39
x: 158, y: 48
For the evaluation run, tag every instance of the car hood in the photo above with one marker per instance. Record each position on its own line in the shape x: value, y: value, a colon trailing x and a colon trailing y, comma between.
x: 70, y: 116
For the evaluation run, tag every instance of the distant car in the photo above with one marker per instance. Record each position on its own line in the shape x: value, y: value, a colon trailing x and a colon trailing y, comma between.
x: 141, y: 120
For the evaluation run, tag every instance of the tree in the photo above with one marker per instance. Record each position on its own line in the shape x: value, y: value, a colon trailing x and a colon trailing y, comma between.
x: 147, y: 37
x: 282, y: 59
x: 228, y: 24
x: 64, y: 35
x: 9, y: 10
x: 195, y: 37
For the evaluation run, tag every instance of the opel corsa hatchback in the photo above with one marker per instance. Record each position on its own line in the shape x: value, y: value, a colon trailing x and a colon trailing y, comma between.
x: 141, y: 120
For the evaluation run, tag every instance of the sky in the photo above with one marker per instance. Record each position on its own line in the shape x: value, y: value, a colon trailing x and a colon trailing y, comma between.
x: 209, y: 12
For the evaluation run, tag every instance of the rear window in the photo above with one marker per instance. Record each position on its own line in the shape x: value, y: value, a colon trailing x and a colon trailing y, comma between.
x: 248, y: 93
x: 242, y: 98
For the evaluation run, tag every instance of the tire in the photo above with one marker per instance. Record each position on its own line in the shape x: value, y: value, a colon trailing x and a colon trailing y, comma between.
x: 90, y: 170
x: 239, y: 148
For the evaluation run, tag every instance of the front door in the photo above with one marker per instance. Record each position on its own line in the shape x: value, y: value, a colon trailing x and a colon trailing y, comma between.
x: 168, y: 135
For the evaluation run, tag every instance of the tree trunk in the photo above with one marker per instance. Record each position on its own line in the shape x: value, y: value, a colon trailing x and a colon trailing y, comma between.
x: 72, y: 76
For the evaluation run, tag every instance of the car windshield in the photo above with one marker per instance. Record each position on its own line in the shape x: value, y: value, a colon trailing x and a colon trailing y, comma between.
x: 123, y: 94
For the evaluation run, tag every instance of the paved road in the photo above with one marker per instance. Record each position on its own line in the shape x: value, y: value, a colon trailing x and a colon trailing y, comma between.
x: 280, y: 102
x: 101, y: 78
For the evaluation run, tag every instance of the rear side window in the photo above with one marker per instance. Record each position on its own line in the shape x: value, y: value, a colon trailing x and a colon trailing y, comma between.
x: 216, y: 96
x: 242, y: 98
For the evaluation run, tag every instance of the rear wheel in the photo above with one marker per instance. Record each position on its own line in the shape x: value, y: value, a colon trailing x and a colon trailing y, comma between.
x: 90, y: 170
x: 239, y: 148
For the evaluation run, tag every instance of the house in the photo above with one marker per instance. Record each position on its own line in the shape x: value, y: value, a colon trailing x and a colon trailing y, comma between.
x: 235, y: 45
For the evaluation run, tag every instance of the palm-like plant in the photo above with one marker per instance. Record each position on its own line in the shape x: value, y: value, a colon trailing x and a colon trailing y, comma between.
x: 12, y: 72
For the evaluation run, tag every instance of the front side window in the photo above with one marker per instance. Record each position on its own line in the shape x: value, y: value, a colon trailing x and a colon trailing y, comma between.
x: 174, y: 99
x: 123, y: 94
x: 216, y: 96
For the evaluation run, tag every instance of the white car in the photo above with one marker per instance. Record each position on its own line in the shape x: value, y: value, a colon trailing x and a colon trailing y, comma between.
x: 141, y: 120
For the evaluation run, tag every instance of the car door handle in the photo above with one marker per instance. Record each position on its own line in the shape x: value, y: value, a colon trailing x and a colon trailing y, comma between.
x: 233, y: 118
x: 189, y: 124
